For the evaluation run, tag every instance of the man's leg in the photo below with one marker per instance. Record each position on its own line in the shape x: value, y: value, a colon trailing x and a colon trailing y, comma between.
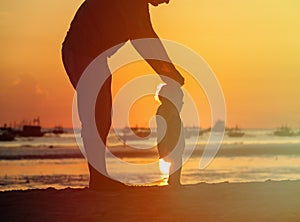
x: 99, y: 179
x: 103, y: 112
x: 75, y: 65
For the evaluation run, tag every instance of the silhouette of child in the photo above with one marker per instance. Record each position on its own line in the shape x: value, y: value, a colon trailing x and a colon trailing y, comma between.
x: 170, y: 134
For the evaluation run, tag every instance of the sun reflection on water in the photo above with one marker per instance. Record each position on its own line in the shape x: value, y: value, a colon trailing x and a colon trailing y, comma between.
x: 164, y: 168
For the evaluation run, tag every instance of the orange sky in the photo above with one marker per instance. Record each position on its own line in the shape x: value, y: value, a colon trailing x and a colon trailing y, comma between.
x: 252, y: 46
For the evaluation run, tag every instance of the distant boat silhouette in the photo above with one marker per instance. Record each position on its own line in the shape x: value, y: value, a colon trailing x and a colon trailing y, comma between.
x: 285, y: 131
x: 34, y: 130
x: 7, y: 134
x: 31, y: 131
x: 135, y: 133
x: 235, y: 132
x: 58, y: 130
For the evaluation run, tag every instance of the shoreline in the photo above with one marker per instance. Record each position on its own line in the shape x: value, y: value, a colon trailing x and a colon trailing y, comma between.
x: 254, y: 201
x: 226, y: 150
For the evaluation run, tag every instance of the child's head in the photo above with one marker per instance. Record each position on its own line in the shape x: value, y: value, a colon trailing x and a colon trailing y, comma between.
x: 170, y: 94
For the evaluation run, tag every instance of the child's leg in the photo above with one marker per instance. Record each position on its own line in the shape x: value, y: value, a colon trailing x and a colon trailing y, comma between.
x: 175, y: 172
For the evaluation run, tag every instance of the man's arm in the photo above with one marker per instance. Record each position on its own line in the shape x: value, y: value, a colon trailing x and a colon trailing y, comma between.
x: 151, y: 48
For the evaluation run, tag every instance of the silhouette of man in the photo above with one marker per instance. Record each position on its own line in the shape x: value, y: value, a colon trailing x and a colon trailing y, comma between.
x: 97, y: 26
x: 170, y: 133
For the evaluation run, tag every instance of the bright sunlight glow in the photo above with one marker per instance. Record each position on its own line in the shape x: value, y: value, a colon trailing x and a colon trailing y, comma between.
x: 164, y: 167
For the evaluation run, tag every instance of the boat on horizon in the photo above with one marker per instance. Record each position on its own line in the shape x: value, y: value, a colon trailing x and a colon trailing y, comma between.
x: 285, y: 131
x: 31, y: 130
x: 235, y: 132
x: 7, y: 134
x: 58, y: 130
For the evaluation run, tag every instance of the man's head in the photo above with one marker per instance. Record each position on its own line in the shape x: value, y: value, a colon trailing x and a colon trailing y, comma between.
x: 157, y: 2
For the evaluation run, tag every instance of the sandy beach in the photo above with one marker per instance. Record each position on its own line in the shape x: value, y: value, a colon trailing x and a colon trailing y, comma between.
x: 261, y: 201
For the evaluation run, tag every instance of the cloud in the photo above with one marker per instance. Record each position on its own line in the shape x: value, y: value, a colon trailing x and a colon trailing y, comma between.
x: 22, y: 92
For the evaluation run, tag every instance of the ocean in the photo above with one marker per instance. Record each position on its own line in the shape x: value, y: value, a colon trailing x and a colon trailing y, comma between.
x: 56, y: 161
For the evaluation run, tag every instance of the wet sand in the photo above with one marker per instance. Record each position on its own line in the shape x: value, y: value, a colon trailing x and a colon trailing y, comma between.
x: 262, y: 201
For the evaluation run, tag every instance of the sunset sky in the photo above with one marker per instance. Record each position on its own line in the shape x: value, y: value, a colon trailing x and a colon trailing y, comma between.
x: 252, y: 46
